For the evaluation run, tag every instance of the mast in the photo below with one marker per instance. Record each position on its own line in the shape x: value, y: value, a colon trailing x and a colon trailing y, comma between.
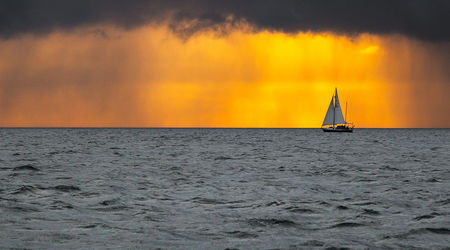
x: 334, y: 108
x: 345, y: 112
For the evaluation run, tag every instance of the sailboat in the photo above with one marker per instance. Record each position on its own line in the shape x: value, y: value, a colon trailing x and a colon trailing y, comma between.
x: 334, y: 119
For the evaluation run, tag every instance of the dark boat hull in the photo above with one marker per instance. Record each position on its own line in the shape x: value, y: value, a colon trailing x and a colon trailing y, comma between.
x: 338, y: 130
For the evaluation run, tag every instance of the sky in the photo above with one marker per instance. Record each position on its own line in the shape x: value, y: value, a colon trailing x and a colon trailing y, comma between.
x: 252, y: 63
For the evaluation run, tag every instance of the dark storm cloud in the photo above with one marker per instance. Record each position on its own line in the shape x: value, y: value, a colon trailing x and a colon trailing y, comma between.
x: 423, y: 19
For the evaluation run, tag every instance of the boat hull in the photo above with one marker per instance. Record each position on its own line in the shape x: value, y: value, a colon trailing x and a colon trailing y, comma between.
x: 338, y: 130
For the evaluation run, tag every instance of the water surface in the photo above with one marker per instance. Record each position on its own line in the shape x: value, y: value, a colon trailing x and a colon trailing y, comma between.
x: 224, y: 188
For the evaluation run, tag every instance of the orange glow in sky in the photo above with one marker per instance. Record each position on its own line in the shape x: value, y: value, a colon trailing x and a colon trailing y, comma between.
x: 151, y: 77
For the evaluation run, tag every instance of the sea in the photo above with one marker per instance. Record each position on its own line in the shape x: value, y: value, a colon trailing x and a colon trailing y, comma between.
x: 224, y: 189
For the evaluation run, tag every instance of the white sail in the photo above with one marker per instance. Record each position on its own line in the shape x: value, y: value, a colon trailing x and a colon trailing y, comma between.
x: 338, y: 116
x: 329, y: 117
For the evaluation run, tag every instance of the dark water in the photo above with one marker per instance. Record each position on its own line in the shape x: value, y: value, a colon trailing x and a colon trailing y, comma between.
x: 224, y: 188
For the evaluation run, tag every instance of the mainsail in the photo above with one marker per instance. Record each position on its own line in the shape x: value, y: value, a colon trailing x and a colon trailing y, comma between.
x: 334, y: 114
x: 338, y: 116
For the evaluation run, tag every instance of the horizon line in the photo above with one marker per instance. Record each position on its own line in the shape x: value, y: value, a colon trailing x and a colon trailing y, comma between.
x: 193, y: 127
